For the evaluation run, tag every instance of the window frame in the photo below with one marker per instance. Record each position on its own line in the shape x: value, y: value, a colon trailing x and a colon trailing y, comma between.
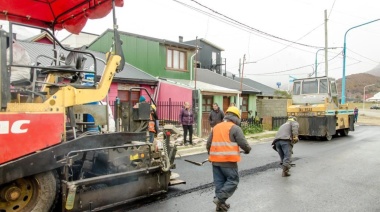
x: 124, y: 96
x: 205, y: 104
x: 244, y: 105
x: 173, y: 61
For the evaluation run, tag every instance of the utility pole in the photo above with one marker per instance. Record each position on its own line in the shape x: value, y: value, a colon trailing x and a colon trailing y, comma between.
x: 242, y: 75
x: 240, y: 67
x: 326, y: 47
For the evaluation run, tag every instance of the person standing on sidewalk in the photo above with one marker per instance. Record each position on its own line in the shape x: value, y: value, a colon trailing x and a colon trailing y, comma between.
x: 286, y: 137
x: 216, y: 115
x: 186, y: 118
x: 224, y: 153
x: 356, y: 113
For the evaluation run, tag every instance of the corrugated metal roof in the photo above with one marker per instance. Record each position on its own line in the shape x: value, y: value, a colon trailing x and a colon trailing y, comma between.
x: 129, y: 73
x: 203, y: 86
x: 207, y: 76
x: 38, y: 37
x: 265, y: 90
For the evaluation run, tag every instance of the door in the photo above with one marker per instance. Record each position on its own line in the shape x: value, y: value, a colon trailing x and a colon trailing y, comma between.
x: 226, y: 103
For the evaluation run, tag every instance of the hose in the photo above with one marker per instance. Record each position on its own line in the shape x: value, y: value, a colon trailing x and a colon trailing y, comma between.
x: 166, y: 164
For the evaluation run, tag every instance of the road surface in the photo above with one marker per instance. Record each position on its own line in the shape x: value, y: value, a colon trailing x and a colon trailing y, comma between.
x: 338, y: 175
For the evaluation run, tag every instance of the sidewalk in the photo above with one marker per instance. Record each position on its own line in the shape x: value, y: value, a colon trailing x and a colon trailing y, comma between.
x: 201, y: 147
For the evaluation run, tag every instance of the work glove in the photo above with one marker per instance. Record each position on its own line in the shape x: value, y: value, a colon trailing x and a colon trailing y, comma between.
x: 295, y: 139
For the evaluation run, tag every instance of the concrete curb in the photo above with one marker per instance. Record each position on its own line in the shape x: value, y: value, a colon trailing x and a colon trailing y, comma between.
x: 201, y: 148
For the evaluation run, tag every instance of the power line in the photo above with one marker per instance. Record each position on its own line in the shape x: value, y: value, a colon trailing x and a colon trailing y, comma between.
x: 263, y: 75
x: 332, y: 7
x: 292, y: 69
x: 363, y: 56
x: 289, y: 45
x: 254, y: 29
x: 228, y: 22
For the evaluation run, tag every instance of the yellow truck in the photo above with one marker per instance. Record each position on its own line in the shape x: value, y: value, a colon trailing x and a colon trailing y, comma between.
x: 316, y: 105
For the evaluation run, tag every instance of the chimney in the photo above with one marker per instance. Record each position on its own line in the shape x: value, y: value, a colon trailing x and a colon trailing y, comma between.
x: 180, y: 39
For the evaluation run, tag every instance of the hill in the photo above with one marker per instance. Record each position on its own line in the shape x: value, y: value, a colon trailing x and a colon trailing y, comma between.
x: 355, y: 86
x: 375, y: 71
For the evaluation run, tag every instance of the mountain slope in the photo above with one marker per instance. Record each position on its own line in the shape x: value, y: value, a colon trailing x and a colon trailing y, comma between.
x: 355, y: 86
x: 375, y: 71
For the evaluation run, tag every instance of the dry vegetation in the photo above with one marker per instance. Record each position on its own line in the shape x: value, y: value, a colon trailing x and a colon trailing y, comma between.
x: 355, y: 84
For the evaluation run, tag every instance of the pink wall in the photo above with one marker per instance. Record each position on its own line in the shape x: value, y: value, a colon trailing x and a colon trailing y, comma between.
x: 149, y: 89
x: 176, y: 93
x: 112, y: 94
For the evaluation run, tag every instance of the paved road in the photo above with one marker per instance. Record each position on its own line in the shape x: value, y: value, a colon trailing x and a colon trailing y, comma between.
x: 338, y: 175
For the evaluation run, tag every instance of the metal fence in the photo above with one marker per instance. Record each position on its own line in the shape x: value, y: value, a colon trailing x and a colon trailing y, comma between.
x: 278, y: 121
x: 167, y: 111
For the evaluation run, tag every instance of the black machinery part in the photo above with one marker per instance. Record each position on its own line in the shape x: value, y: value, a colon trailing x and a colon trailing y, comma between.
x: 53, y: 157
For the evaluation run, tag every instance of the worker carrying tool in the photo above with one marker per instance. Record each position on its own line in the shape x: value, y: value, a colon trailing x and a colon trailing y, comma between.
x: 286, y: 137
x: 223, y: 149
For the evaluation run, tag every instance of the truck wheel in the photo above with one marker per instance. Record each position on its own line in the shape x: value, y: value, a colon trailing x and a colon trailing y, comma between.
x: 344, y: 132
x: 328, y: 137
x: 36, y: 193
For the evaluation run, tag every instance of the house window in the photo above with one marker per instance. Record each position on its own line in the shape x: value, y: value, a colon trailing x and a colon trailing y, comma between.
x: 207, y: 103
x: 176, y: 59
x: 124, y: 96
x: 244, y: 104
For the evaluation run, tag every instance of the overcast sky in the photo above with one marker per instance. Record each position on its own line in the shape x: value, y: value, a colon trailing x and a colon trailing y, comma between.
x: 294, y: 20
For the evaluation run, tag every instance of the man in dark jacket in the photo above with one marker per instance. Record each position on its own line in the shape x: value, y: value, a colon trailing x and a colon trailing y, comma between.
x: 223, y: 147
x: 286, y: 137
x: 216, y: 115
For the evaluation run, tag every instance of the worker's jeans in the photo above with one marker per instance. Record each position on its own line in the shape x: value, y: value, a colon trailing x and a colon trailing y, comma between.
x: 284, y: 149
x: 226, y: 181
x: 151, y: 137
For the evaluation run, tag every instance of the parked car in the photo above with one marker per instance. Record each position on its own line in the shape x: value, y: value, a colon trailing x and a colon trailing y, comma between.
x: 376, y: 107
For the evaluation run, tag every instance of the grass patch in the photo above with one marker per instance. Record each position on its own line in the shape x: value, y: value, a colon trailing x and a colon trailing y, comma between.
x: 251, y: 129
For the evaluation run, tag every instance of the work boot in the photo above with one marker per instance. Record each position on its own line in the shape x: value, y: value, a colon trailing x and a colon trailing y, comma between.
x: 285, y: 173
x: 221, y: 206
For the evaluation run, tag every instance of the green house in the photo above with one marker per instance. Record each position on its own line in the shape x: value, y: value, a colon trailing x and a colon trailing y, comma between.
x: 158, y: 57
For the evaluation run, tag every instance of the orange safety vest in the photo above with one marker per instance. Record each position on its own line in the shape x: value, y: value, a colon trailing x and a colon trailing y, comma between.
x: 151, y: 125
x: 222, y: 149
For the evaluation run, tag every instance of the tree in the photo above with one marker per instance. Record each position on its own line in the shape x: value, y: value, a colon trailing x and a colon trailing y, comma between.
x: 283, y: 94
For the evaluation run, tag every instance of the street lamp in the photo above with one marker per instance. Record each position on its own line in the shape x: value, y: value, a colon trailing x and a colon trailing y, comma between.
x: 364, y: 94
x: 344, y: 60
x: 316, y: 60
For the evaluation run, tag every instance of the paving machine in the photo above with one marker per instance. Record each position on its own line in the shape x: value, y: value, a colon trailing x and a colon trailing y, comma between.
x: 316, y: 105
x: 49, y: 159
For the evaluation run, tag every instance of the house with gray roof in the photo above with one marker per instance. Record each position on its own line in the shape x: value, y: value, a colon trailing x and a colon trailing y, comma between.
x: 266, y: 91
x: 247, y: 100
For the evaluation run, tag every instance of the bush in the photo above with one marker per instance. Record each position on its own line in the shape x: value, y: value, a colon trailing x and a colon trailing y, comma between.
x: 251, y: 129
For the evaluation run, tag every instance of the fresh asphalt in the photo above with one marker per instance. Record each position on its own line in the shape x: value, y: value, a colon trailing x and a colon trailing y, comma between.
x: 338, y: 175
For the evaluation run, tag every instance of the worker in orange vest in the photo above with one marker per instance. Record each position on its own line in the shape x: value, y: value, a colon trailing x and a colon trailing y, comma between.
x: 223, y: 149
x: 152, y: 124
